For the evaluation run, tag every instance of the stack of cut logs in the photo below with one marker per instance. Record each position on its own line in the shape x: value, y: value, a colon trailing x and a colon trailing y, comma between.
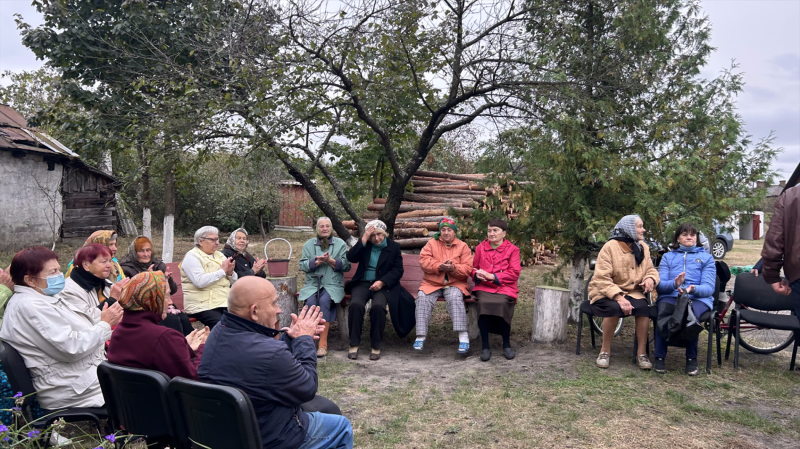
x: 435, y: 193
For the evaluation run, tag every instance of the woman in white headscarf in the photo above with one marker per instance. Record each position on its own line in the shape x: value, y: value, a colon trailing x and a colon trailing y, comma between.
x: 624, y: 274
x: 246, y: 264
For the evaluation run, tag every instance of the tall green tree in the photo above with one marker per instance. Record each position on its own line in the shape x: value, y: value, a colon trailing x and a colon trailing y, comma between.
x: 636, y: 129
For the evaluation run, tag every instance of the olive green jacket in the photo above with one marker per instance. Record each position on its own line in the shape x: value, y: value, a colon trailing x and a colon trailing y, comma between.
x: 332, y: 278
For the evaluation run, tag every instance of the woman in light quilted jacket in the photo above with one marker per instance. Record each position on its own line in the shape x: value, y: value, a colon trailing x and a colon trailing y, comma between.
x: 687, y: 268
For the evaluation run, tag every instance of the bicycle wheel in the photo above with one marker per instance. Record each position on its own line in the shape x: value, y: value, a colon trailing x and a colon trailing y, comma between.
x: 762, y: 340
x: 597, y: 323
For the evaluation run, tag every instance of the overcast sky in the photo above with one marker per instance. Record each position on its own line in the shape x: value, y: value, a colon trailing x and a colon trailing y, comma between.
x: 763, y: 36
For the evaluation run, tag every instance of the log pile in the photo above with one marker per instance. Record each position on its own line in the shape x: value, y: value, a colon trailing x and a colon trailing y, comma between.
x: 437, y: 194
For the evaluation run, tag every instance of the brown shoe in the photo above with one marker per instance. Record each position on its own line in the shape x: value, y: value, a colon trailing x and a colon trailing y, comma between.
x: 352, y: 355
x: 375, y: 355
x: 603, y: 360
x: 322, y: 351
x: 643, y: 362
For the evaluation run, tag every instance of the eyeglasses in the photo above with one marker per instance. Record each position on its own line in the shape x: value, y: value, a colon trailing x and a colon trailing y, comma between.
x: 216, y: 240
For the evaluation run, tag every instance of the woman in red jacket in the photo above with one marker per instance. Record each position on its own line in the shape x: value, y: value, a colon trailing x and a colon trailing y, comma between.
x: 496, y: 272
x: 139, y: 342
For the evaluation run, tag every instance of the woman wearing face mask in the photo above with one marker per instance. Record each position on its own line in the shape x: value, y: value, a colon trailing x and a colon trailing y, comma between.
x: 60, y: 344
x: 141, y: 258
x: 140, y: 342
x: 687, y: 268
x: 246, y: 264
x: 88, y: 288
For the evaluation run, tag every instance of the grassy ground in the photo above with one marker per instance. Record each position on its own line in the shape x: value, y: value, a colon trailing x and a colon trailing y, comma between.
x: 547, y: 396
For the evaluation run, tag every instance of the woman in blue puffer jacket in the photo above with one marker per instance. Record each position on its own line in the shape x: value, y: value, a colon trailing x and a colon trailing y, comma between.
x: 687, y: 268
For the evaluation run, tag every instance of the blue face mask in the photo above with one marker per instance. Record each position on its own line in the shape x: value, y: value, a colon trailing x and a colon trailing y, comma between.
x: 55, y: 284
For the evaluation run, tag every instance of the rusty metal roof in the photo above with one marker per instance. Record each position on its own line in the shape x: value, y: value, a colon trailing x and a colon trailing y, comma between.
x: 16, y: 136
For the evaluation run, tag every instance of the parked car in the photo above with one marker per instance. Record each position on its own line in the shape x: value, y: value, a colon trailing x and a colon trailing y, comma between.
x: 722, y: 243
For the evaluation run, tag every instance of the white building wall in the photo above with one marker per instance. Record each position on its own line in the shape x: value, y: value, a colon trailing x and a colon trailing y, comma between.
x: 27, y: 193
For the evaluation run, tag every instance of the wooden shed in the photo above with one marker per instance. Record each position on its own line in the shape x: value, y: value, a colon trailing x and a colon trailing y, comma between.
x: 293, y: 198
x: 46, y: 191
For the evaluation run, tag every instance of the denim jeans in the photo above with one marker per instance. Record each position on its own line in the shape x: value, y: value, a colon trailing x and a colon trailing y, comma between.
x: 328, y: 431
x: 661, y: 344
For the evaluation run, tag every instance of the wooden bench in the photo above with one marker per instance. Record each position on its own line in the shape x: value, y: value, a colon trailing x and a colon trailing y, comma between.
x: 411, y: 280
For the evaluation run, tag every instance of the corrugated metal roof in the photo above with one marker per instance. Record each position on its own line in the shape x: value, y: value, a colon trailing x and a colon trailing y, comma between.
x: 15, y: 135
x: 11, y: 117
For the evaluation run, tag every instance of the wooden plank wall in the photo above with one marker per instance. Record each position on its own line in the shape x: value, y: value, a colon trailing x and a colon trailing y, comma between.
x: 293, y: 198
x: 89, y: 203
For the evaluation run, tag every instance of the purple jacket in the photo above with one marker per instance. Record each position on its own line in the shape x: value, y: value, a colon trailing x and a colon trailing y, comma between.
x: 139, y: 342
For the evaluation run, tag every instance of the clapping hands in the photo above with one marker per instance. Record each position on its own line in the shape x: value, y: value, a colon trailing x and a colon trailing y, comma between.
x: 484, y: 275
x: 197, y: 337
x: 447, y: 266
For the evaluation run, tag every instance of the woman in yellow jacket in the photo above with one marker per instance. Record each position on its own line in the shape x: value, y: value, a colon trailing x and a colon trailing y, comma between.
x: 206, y: 278
x: 624, y: 274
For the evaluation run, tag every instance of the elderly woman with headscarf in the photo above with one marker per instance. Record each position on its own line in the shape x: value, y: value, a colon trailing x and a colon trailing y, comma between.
x: 60, y: 345
x: 108, y: 239
x: 206, y: 277
x: 246, y: 264
x: 380, y: 267
x: 447, y: 264
x: 623, y: 275
x: 324, y: 261
x: 139, y: 342
x: 141, y: 258
x: 88, y: 289
x: 495, y: 271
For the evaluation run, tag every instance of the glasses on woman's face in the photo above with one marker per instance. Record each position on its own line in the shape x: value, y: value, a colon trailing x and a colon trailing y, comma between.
x: 216, y: 240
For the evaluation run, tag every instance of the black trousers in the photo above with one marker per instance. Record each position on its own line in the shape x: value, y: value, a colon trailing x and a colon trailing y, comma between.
x: 359, y: 295
x: 321, y: 404
x: 179, y: 322
x: 209, y: 317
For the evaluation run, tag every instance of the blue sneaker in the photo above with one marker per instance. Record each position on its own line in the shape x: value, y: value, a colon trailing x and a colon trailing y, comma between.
x: 418, y: 345
x: 463, y: 348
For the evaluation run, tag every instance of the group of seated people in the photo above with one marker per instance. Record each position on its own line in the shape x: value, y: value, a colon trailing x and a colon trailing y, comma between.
x: 122, y: 312
x: 63, y: 334
x: 624, y: 274
x: 448, y: 266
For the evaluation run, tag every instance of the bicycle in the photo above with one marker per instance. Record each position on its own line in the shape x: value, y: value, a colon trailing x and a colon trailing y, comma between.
x: 753, y: 338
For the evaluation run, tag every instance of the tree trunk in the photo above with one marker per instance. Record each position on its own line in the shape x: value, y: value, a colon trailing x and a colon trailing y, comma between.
x: 408, y: 207
x: 320, y: 201
x: 410, y: 232
x: 550, y: 310
x: 261, y: 222
x: 576, y: 284
x: 127, y: 226
x: 413, y: 243
x: 147, y: 220
x: 286, y: 287
x: 169, y: 214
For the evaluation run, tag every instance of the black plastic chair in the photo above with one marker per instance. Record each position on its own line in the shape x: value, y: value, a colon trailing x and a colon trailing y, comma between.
x: 752, y: 292
x: 137, y: 402
x: 20, y: 380
x: 214, y: 416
